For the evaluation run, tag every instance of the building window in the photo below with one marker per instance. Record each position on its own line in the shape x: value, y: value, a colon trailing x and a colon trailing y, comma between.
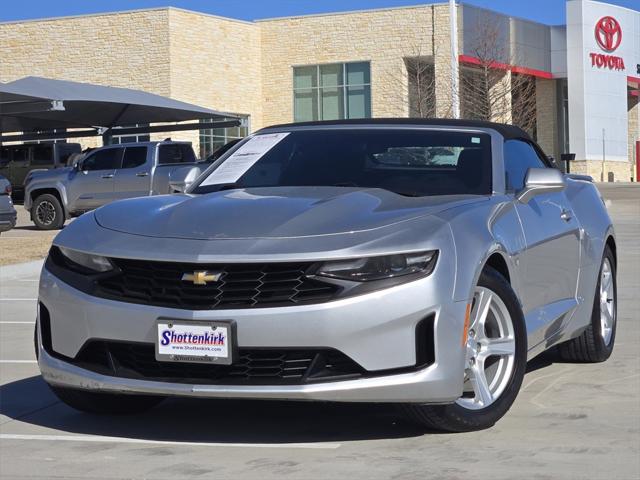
x: 212, y: 139
x: 142, y: 137
x: 332, y: 92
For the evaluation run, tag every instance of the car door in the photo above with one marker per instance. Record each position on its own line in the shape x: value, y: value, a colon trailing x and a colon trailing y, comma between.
x: 93, y: 184
x: 133, y: 178
x: 19, y: 166
x: 552, y: 246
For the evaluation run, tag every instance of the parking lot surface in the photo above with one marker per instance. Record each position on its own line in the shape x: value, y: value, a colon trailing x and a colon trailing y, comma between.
x: 24, y: 242
x: 569, y: 421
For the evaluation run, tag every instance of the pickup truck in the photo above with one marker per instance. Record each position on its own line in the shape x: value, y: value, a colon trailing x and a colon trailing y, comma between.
x: 106, y: 174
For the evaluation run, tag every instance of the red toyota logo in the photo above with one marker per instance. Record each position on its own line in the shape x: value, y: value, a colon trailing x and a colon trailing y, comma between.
x: 608, y: 33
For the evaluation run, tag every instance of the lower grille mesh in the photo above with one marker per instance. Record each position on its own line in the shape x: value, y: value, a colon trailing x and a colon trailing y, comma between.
x: 253, y: 366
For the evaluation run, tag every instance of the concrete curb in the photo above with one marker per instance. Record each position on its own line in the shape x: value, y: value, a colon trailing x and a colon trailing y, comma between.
x: 21, y: 270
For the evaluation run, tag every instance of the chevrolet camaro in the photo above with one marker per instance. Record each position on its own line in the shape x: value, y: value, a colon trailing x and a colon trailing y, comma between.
x: 419, y: 263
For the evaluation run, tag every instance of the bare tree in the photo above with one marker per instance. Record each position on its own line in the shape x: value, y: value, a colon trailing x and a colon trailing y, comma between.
x: 421, y: 86
x: 415, y: 84
x: 490, y: 89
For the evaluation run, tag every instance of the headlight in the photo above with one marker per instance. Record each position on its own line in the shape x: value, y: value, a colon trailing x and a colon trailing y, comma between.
x: 380, y: 268
x: 94, y: 263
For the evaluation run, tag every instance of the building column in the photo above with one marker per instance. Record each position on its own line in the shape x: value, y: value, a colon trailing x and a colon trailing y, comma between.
x: 634, y: 133
x: 547, y: 117
x: 500, y: 98
x: 442, y: 61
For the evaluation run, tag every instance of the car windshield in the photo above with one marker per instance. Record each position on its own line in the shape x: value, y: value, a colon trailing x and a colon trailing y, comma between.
x: 411, y: 162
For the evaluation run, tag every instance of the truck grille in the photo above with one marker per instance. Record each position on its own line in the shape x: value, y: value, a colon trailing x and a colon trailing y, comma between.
x: 236, y: 285
x: 252, y: 367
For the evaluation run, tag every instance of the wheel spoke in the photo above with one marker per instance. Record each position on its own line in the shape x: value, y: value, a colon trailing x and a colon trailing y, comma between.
x: 480, y: 385
x: 608, y: 318
x: 498, y: 347
x: 480, y: 313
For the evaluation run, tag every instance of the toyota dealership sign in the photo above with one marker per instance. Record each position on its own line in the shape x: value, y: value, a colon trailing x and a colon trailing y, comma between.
x: 603, y: 49
x: 608, y: 33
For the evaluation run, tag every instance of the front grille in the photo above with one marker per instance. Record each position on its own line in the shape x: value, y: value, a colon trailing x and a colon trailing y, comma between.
x: 252, y: 367
x: 239, y: 285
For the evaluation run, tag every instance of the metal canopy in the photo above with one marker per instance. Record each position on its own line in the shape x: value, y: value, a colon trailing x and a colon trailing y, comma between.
x: 36, y: 103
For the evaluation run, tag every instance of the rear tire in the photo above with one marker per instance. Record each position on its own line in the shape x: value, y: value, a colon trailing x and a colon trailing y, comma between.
x: 595, y: 344
x: 105, y: 403
x: 495, y: 364
x: 47, y: 212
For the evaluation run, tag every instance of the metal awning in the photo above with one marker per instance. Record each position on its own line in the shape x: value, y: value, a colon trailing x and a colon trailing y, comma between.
x: 36, y: 104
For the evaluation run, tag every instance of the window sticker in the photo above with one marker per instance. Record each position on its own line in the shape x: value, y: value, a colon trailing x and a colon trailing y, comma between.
x: 243, y: 159
x: 475, y: 139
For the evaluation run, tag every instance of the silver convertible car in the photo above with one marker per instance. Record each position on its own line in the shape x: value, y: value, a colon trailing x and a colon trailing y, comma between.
x: 412, y: 262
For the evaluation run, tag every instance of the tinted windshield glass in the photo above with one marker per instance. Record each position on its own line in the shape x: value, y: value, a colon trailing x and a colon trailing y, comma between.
x: 408, y: 162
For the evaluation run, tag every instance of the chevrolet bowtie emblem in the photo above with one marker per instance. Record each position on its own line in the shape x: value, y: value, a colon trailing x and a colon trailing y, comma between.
x: 201, y: 277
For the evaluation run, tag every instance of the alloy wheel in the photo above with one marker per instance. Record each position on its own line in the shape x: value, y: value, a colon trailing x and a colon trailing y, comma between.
x: 46, y: 212
x: 490, y: 351
x: 607, y: 302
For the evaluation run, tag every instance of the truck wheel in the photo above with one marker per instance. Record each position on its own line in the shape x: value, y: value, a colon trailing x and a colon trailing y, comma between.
x: 105, y: 403
x: 47, y: 212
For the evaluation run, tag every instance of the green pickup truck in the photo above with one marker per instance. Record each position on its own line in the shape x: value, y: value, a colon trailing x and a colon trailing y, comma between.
x: 16, y: 161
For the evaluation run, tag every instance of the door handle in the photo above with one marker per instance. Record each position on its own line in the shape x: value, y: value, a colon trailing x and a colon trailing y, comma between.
x: 142, y: 174
x: 566, y: 215
x: 108, y: 176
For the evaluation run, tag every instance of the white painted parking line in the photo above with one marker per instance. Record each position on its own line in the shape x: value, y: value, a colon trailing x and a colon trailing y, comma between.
x: 18, y: 361
x: 16, y: 323
x: 99, y: 439
x: 18, y: 299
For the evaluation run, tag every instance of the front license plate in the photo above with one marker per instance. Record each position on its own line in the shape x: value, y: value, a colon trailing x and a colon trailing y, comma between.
x: 199, y: 342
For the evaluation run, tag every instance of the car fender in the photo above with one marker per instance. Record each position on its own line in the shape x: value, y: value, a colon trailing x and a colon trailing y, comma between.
x: 480, y: 231
x: 37, y: 185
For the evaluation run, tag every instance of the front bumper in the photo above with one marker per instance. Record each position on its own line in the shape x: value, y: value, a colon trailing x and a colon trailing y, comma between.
x: 376, y: 330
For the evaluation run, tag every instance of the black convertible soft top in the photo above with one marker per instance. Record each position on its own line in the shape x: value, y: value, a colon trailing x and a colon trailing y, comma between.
x: 507, y: 131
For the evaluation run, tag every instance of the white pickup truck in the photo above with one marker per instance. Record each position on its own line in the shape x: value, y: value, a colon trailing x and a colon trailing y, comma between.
x: 106, y: 174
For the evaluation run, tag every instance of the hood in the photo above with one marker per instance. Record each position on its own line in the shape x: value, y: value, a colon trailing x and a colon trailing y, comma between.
x: 53, y: 173
x: 282, y: 212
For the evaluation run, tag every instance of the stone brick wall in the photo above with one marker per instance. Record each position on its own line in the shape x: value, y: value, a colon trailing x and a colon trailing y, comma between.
x: 382, y: 37
x: 128, y: 50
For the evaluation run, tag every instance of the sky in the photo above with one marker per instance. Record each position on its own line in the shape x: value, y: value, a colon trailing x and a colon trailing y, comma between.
x: 551, y: 12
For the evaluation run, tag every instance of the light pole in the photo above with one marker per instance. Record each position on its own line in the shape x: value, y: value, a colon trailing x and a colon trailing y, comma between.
x: 455, y: 98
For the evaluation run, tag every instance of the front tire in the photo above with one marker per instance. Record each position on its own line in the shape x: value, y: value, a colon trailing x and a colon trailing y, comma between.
x: 48, y: 213
x: 495, y: 362
x: 105, y: 403
x: 595, y: 344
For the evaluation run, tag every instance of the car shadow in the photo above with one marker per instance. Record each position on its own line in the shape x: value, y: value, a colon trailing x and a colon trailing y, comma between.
x: 211, y: 421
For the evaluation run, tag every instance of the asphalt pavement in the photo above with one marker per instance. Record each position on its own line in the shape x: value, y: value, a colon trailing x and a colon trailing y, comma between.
x: 569, y: 421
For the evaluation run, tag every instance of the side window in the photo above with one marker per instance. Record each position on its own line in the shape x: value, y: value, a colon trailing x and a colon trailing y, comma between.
x: 21, y: 154
x: 134, y: 157
x: 107, y: 159
x: 176, y: 153
x: 42, y: 156
x: 4, y: 156
x: 519, y: 156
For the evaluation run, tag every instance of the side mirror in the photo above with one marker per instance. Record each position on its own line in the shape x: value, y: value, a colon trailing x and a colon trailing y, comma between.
x: 178, y: 186
x: 539, y: 181
x: 182, y: 178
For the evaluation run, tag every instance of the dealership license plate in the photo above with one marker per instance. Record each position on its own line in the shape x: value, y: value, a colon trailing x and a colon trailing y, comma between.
x: 200, y: 342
